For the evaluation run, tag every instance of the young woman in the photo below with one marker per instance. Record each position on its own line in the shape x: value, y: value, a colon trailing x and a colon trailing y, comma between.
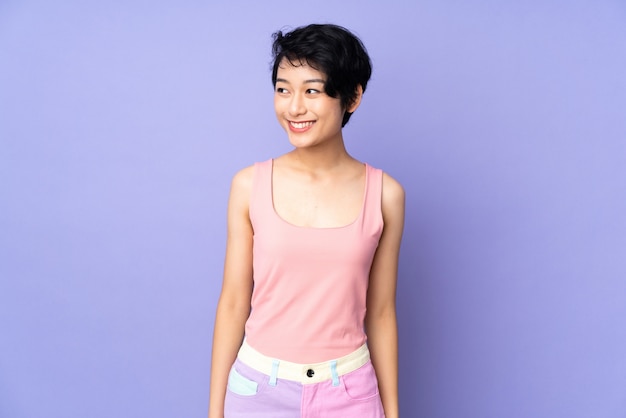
x: 306, y: 321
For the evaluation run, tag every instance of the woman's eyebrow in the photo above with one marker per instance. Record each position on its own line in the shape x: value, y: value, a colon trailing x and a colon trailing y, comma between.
x: 313, y: 80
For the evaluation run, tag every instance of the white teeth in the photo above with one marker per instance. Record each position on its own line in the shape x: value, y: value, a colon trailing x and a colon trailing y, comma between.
x: 301, y: 125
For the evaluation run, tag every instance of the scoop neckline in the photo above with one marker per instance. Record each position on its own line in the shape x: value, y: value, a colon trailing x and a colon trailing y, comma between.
x: 327, y: 228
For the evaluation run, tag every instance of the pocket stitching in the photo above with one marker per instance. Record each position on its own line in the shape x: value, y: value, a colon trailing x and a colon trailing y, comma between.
x: 365, y: 398
x: 240, y: 385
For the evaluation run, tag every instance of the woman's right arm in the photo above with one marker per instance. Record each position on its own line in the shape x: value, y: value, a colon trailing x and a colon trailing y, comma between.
x: 233, y: 307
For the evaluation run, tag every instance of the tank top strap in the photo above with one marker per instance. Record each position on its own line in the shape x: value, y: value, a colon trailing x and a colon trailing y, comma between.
x: 261, y: 195
x: 372, y: 209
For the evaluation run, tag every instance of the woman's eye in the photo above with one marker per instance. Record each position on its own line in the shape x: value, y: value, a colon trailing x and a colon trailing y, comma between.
x: 281, y: 90
x: 312, y: 91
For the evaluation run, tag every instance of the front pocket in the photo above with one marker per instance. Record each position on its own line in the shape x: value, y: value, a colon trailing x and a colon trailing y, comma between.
x: 241, y: 385
x: 361, y: 384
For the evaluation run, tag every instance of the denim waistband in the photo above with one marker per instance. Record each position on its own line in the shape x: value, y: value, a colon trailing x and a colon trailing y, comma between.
x: 300, y: 372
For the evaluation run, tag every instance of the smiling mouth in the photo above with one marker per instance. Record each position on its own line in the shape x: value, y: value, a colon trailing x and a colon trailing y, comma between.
x: 301, y: 125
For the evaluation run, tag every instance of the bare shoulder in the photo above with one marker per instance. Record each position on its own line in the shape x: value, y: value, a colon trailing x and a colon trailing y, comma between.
x: 241, y: 189
x: 243, y: 178
x: 393, y: 193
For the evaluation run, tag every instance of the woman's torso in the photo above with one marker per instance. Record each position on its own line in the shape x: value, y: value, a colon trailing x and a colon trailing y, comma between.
x: 310, y: 283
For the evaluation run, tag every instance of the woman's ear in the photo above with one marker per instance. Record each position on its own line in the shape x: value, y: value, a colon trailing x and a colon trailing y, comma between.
x: 357, y: 100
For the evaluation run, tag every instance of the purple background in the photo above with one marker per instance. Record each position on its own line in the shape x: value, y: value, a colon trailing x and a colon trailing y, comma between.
x: 121, y: 124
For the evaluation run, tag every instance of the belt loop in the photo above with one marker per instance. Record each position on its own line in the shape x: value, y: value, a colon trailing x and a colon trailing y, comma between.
x: 274, y: 374
x: 333, y: 372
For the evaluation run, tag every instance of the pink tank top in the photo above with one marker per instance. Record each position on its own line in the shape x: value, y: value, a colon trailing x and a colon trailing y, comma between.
x: 310, y: 284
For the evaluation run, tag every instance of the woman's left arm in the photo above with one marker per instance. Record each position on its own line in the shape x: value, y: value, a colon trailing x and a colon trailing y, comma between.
x: 380, y: 319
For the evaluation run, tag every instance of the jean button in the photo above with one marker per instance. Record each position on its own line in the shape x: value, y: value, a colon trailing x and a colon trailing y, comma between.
x: 310, y: 372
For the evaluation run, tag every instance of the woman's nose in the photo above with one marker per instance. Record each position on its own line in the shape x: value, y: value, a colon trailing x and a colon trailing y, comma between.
x: 296, y: 106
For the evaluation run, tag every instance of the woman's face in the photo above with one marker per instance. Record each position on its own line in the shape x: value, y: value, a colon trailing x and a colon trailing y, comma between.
x: 309, y: 116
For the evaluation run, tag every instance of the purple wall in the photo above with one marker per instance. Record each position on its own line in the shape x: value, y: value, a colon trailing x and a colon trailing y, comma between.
x: 122, y: 124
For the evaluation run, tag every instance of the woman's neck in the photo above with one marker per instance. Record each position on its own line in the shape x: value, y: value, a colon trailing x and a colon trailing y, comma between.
x: 319, y: 159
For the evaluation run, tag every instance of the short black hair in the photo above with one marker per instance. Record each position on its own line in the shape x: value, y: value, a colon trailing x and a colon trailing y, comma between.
x: 331, y: 49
